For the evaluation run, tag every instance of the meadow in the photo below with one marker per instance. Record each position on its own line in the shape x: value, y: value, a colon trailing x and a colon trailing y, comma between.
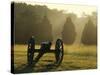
x: 76, y: 57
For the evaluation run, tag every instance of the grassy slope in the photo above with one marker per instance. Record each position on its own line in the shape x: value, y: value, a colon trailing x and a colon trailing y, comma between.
x: 75, y: 57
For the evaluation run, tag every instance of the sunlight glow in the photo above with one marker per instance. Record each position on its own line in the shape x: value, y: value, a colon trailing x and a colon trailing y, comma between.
x: 67, y: 8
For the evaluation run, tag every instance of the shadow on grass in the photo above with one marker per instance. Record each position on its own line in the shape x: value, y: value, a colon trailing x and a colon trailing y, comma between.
x: 49, y: 67
x: 23, y: 69
x: 29, y: 69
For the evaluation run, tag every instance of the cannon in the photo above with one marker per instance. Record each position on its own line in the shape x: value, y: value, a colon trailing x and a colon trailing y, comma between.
x: 45, y: 48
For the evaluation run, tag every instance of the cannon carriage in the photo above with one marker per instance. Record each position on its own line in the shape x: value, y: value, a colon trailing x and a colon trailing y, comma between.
x: 45, y: 48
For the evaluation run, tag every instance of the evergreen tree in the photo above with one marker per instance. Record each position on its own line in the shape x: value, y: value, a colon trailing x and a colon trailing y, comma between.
x: 45, y: 30
x: 89, y: 36
x: 68, y: 33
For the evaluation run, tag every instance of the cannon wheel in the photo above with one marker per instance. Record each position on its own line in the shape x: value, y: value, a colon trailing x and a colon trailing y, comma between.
x: 59, y: 52
x: 30, y: 51
x: 29, y: 55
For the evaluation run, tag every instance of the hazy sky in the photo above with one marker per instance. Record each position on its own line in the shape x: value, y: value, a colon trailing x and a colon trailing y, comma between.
x: 77, y: 9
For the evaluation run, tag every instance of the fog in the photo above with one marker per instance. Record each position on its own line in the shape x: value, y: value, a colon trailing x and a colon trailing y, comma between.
x: 58, y: 21
x: 49, y: 22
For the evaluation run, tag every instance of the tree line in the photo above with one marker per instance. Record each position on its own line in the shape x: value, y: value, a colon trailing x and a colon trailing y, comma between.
x: 35, y: 20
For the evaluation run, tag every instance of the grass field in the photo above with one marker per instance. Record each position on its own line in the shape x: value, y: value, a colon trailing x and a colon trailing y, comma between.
x: 75, y: 58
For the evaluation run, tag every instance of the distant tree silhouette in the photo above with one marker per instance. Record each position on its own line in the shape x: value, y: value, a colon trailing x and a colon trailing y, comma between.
x: 44, y: 32
x: 89, y: 36
x: 68, y: 33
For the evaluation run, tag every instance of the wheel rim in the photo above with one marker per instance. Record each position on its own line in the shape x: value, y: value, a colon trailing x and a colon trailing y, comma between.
x: 30, y: 51
x: 59, y: 51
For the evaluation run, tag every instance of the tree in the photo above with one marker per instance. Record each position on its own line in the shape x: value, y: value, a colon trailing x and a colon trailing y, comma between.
x: 45, y: 31
x: 89, y: 36
x: 68, y: 33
